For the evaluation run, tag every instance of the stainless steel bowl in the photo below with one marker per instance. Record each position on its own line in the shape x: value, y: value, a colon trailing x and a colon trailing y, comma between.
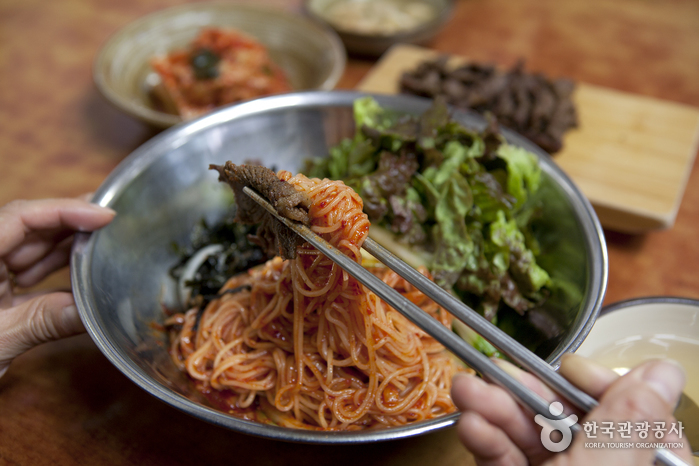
x: 120, y: 273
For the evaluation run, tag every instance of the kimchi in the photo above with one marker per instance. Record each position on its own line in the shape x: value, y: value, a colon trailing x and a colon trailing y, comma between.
x: 219, y: 67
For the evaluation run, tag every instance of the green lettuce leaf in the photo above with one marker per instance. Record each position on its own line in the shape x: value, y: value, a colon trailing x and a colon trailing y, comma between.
x: 513, y: 253
x: 523, y: 171
x: 368, y: 112
x: 454, y: 246
x: 459, y: 197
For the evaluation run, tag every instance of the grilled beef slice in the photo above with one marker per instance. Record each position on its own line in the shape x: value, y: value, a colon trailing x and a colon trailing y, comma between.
x: 272, y: 236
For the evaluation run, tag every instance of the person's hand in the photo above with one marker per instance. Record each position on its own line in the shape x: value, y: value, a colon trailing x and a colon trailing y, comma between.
x: 498, y: 431
x: 35, y: 240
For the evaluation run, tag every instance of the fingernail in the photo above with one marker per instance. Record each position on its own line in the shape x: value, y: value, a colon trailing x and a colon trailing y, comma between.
x: 103, y: 208
x: 71, y: 320
x: 466, y: 375
x: 512, y: 370
x: 666, y: 378
x: 577, y: 368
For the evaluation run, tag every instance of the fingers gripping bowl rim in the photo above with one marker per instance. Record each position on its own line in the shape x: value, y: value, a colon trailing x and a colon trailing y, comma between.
x: 163, y: 188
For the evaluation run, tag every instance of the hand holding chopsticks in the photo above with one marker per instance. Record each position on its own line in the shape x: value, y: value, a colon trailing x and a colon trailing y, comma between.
x: 496, y: 429
x: 467, y: 353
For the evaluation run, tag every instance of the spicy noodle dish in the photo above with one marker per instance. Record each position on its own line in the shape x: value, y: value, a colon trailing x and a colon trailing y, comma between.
x: 272, y: 331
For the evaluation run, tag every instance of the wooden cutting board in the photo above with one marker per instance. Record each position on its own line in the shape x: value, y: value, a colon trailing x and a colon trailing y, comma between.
x: 631, y: 155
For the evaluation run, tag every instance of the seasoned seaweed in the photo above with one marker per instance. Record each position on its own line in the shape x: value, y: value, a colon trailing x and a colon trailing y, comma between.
x: 237, y: 254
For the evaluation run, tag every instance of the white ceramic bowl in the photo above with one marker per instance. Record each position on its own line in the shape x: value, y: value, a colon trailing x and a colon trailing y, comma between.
x: 373, y: 45
x: 630, y: 332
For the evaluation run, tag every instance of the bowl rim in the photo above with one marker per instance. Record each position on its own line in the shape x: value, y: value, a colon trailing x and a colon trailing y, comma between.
x: 626, y: 310
x: 637, y: 303
x: 442, y: 16
x: 165, y: 120
x: 132, y: 165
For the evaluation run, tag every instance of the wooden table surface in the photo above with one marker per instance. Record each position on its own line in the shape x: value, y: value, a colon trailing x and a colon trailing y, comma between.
x: 64, y: 403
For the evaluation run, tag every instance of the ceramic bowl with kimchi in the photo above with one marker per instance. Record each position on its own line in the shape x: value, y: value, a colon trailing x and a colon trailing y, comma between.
x: 182, y: 62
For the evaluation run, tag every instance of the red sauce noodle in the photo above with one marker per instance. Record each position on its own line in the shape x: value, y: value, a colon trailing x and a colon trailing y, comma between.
x: 307, y: 346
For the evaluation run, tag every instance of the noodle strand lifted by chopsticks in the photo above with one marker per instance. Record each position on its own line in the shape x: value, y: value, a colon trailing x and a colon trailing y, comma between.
x: 308, y: 346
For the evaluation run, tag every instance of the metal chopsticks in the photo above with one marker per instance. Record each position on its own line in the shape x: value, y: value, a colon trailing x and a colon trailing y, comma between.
x: 481, y: 325
x: 467, y: 353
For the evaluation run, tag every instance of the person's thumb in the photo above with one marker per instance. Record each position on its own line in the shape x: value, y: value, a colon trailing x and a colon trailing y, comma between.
x: 648, y: 393
x: 44, y: 318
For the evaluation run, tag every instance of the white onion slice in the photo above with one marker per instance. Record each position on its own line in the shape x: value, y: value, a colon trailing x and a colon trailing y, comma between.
x: 191, y: 267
